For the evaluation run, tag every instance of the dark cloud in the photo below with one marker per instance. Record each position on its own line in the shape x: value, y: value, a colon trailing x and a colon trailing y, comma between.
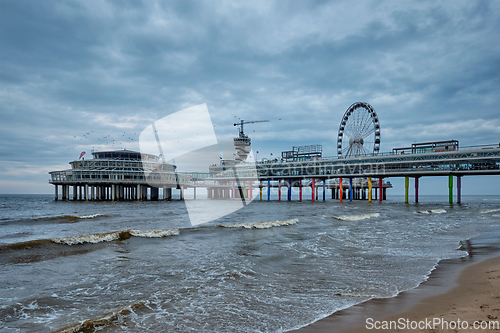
x: 430, y: 69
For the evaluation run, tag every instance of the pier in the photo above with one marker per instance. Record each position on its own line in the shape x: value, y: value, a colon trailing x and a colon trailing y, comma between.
x: 128, y: 175
x: 358, y: 172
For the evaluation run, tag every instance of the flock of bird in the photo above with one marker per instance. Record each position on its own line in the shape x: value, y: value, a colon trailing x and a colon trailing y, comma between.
x: 108, y: 141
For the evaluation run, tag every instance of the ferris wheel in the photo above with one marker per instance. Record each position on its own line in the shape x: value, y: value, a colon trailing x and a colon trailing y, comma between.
x: 359, y: 131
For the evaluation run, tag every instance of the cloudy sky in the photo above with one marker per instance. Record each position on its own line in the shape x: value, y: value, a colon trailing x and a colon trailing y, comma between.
x: 76, y: 75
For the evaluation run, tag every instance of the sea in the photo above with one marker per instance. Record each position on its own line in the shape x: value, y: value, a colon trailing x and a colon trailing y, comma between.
x: 272, y: 266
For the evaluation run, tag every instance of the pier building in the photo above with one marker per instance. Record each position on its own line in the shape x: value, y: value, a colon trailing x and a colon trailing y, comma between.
x: 118, y: 175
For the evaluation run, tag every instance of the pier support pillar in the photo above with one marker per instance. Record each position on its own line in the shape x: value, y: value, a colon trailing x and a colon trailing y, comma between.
x: 260, y: 190
x: 324, y: 189
x: 313, y: 185
x: 74, y: 192
x: 450, y: 188
x: 113, y: 192
x: 300, y: 190
x: 154, y: 194
x: 380, y: 187
x: 138, y: 192
x: 86, y: 192
x: 459, y: 189
x: 416, y: 189
x: 289, y: 190
x: 341, y: 189
x: 279, y: 190
x: 407, y: 185
x: 268, y: 190
x: 384, y: 192
x: 56, y: 192
x: 194, y: 192
x: 350, y: 189
x: 182, y: 193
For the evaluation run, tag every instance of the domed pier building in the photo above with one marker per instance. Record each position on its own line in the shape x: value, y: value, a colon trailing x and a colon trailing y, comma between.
x: 119, y: 175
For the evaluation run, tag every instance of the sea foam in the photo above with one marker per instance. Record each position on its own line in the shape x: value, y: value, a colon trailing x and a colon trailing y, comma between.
x: 90, y: 216
x: 105, y: 320
x: 260, y: 225
x: 486, y: 211
x: 356, y: 217
x: 432, y: 211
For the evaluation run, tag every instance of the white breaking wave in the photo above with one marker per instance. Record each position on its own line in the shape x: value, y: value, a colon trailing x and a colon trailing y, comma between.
x: 432, y: 211
x: 154, y: 233
x: 111, y: 236
x: 486, y: 211
x: 260, y: 225
x: 91, y: 216
x: 356, y: 217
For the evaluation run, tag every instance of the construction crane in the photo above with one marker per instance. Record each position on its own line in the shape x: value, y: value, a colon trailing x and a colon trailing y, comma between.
x: 243, y: 142
x: 240, y: 124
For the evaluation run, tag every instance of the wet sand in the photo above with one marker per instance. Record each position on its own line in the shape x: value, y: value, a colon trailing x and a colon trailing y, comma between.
x: 467, y: 290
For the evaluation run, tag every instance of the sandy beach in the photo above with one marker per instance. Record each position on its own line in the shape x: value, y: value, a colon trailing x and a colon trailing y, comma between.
x: 471, y: 304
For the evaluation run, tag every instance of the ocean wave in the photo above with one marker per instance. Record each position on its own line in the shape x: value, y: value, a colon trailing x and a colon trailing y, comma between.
x: 154, y: 233
x: 24, y: 245
x: 356, y: 217
x: 91, y: 216
x: 355, y: 295
x: 108, y: 319
x: 432, y: 211
x: 486, y: 211
x: 69, y: 217
x: 260, y: 225
x: 112, y: 236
